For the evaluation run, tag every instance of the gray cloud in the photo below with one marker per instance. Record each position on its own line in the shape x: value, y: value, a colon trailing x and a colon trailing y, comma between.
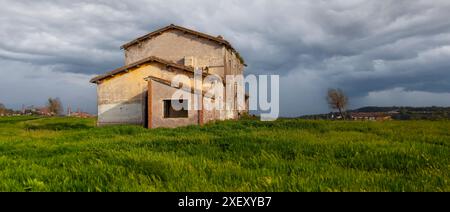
x: 29, y: 84
x: 368, y: 48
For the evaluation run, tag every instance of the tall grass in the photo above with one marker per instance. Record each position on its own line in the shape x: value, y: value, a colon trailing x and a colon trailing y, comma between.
x: 69, y: 154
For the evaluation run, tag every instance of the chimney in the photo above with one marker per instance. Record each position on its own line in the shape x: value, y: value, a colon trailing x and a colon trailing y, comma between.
x: 190, y: 61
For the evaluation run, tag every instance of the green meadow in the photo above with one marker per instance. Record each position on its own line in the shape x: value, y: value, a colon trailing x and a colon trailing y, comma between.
x: 70, y: 154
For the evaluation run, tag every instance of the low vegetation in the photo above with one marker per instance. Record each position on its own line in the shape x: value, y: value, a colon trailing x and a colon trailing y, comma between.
x: 70, y: 154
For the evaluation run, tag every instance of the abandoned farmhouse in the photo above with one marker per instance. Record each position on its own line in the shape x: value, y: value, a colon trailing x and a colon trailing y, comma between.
x: 141, y: 92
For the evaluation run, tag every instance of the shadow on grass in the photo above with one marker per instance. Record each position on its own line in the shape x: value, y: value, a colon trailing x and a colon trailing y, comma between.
x: 57, y: 126
x: 15, y: 120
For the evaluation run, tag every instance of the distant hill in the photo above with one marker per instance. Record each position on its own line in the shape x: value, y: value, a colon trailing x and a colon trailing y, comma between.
x: 399, y: 109
x: 397, y: 113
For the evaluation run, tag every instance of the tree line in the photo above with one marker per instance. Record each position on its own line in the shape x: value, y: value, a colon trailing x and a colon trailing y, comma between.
x: 54, y: 107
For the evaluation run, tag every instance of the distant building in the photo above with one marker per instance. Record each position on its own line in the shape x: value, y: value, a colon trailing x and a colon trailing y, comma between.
x: 44, y: 111
x: 39, y: 111
x: 371, y: 116
x: 80, y: 115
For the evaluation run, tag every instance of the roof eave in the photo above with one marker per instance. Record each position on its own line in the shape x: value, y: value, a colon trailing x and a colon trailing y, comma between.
x: 141, y: 62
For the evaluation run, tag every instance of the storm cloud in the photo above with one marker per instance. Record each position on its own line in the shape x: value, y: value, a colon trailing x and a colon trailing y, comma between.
x: 389, y: 52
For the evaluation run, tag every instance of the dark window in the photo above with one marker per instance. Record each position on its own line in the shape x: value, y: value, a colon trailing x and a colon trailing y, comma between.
x: 176, y: 108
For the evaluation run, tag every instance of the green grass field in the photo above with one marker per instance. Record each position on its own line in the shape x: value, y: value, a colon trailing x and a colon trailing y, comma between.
x: 68, y: 154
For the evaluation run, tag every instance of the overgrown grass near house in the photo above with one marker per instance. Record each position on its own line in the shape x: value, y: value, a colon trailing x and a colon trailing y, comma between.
x: 69, y: 154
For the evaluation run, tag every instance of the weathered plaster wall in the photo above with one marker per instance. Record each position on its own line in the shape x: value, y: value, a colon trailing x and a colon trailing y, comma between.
x: 161, y: 92
x: 174, y: 45
x: 210, y: 115
x: 234, y: 67
x: 233, y: 64
x: 121, y: 98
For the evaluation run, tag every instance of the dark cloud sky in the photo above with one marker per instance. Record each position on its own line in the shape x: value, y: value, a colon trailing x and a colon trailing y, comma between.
x: 389, y: 52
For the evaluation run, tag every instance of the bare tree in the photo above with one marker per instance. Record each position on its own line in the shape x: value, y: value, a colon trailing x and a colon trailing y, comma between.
x: 337, y: 100
x: 55, y: 106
